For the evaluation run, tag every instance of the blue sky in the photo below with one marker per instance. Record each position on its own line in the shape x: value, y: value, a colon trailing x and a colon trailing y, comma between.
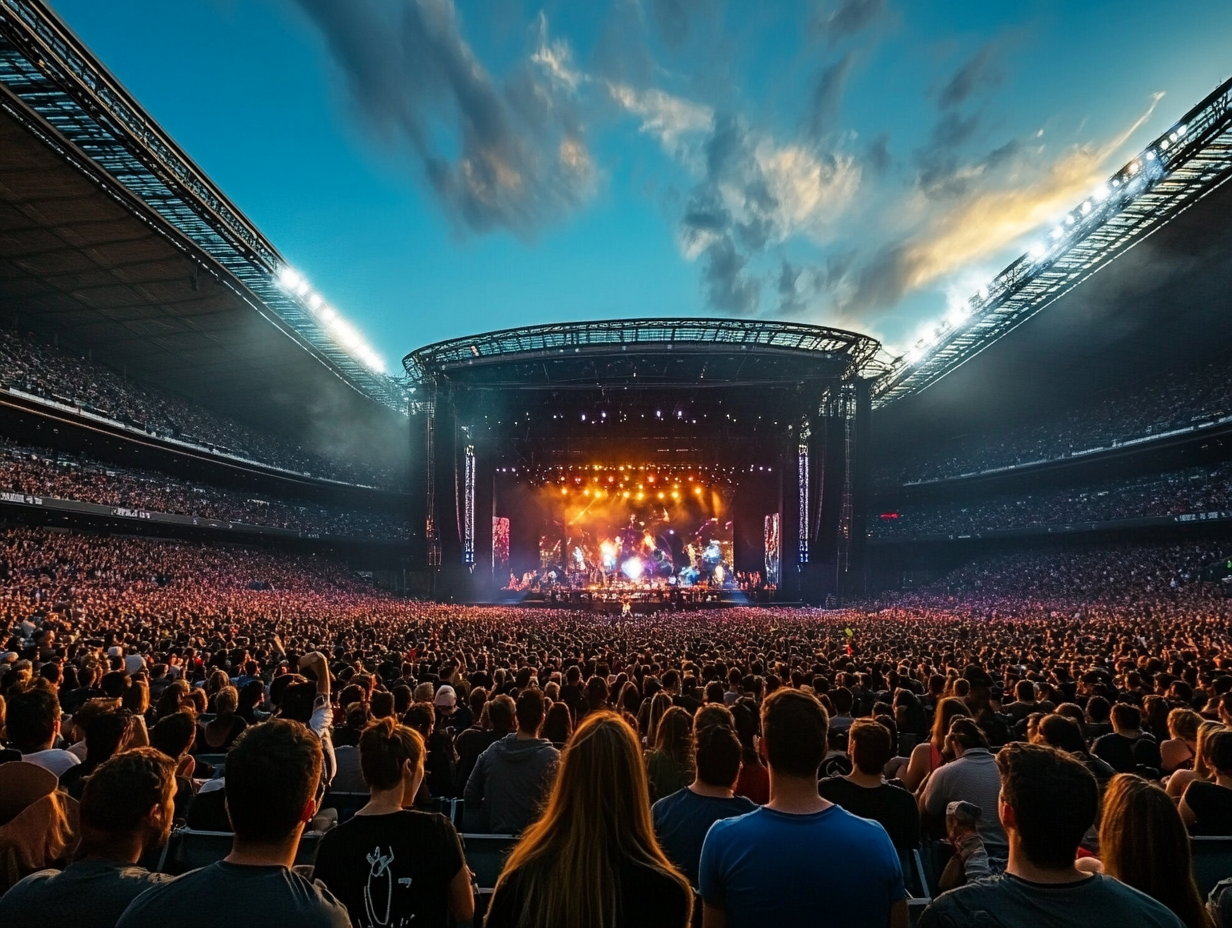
x: 442, y: 167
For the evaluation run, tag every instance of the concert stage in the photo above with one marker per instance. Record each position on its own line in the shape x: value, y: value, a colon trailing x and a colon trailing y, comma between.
x: 641, y: 602
x: 697, y: 456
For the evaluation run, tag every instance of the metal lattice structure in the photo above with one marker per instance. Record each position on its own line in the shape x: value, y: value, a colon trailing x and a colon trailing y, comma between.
x: 547, y: 341
x: 60, y: 91
x: 1171, y: 175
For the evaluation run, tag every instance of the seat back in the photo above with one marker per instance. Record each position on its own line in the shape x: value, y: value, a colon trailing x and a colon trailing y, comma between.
x: 1212, y: 861
x: 347, y: 803
x: 187, y: 849
x: 485, y: 855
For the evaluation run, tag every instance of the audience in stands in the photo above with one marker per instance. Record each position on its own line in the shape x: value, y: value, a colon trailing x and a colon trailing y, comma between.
x: 1088, y: 651
x: 35, y: 367
x: 1179, y: 399
x: 1192, y: 490
x: 54, y: 475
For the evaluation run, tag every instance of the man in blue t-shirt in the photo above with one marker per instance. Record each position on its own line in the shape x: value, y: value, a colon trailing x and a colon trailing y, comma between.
x: 682, y: 819
x: 799, y: 860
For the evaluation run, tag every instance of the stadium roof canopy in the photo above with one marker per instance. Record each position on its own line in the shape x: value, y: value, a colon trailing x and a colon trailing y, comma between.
x: 1125, y: 287
x: 647, y: 386
x: 115, y: 242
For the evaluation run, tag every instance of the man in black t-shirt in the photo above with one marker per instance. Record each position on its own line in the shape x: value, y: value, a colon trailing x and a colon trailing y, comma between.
x: 1127, y: 747
x: 864, y: 792
x: 390, y: 865
x: 272, y: 777
x: 1206, y: 805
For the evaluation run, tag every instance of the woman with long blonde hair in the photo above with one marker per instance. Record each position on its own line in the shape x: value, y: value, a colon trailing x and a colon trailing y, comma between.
x: 592, y: 858
x: 1143, y: 843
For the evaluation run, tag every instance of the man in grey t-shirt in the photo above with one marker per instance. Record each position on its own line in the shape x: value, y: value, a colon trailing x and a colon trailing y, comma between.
x: 1048, y: 801
x: 272, y: 777
x: 126, y: 808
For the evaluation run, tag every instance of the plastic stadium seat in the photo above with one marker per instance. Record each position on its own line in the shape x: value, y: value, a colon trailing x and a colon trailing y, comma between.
x: 188, y: 849
x: 1212, y: 861
x: 485, y: 855
x: 346, y: 803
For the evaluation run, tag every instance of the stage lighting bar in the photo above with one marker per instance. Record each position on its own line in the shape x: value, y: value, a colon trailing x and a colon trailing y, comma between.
x: 1177, y: 168
x: 468, y: 510
x: 649, y: 479
x: 802, y: 491
x: 344, y: 334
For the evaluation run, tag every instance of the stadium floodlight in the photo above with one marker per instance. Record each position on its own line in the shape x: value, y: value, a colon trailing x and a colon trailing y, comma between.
x: 315, y: 302
x: 1037, y: 251
x: 289, y: 278
x: 1101, y: 193
x: 328, y: 313
x: 958, y: 314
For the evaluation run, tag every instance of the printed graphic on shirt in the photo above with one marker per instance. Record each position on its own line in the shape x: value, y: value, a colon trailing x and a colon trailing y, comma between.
x: 379, y: 891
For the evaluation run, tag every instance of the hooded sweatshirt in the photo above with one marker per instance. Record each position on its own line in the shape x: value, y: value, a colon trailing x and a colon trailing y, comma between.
x: 510, y: 781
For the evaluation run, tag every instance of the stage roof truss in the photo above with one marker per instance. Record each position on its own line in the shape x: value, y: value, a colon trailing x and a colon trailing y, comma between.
x: 104, y: 132
x: 547, y: 345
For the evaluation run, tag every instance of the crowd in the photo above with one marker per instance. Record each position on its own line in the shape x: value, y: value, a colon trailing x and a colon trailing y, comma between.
x: 1179, y: 400
x: 1206, y: 488
x: 36, y: 367
x: 58, y: 475
x: 1060, y: 722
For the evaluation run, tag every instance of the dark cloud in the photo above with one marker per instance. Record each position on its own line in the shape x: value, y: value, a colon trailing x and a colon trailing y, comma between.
x: 980, y: 70
x: 791, y: 302
x: 882, y: 280
x: 673, y: 19
x: 497, y: 156
x: 878, y: 157
x: 828, y: 96
x: 939, y: 168
x: 848, y: 18
x: 1005, y: 154
x: 803, y: 289
x: 729, y: 288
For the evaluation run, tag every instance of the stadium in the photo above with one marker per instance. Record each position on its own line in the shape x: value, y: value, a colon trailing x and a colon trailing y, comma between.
x: 266, y: 606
